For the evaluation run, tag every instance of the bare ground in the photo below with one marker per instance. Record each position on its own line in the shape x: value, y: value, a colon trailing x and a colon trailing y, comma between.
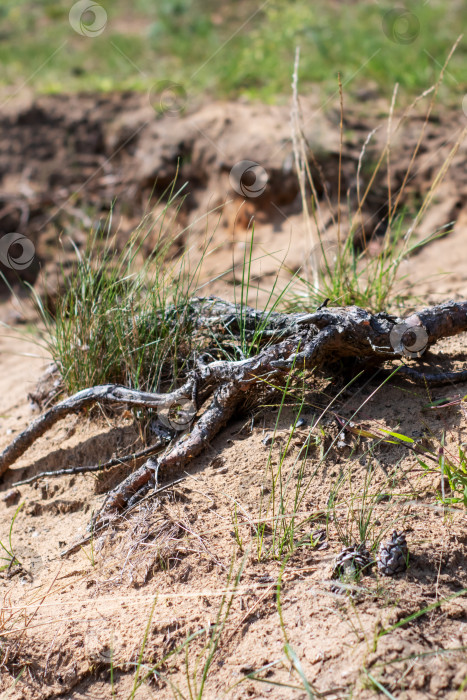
x: 73, y: 626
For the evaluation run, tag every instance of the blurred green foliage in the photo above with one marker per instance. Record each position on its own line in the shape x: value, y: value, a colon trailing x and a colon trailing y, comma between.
x: 235, y: 48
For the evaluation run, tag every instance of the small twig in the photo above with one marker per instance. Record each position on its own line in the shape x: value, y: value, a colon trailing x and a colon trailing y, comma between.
x: 249, y: 611
x: 121, y: 515
x: 93, y: 467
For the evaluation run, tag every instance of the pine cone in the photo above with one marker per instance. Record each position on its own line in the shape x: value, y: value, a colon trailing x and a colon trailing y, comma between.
x: 393, y: 555
x: 351, y: 561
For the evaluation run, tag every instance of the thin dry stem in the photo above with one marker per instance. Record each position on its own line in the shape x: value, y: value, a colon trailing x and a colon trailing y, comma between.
x: 359, y: 168
x: 300, y: 158
x: 341, y: 149
x: 425, y: 123
x: 432, y: 90
x: 435, y: 184
x: 388, y: 144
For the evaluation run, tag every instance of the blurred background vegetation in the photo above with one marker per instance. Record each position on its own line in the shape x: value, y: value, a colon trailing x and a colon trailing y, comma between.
x: 237, y: 48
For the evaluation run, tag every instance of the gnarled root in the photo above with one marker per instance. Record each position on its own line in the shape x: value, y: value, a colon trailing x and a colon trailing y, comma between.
x: 289, y: 342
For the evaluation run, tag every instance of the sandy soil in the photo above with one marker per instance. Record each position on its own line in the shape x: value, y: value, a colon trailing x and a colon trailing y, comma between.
x: 175, y: 554
x: 155, y: 598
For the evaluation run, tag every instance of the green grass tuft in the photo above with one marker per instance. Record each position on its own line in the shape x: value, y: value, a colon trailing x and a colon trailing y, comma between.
x: 119, y: 320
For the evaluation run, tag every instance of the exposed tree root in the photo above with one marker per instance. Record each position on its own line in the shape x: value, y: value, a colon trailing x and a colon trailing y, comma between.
x: 105, y: 394
x: 288, y: 342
